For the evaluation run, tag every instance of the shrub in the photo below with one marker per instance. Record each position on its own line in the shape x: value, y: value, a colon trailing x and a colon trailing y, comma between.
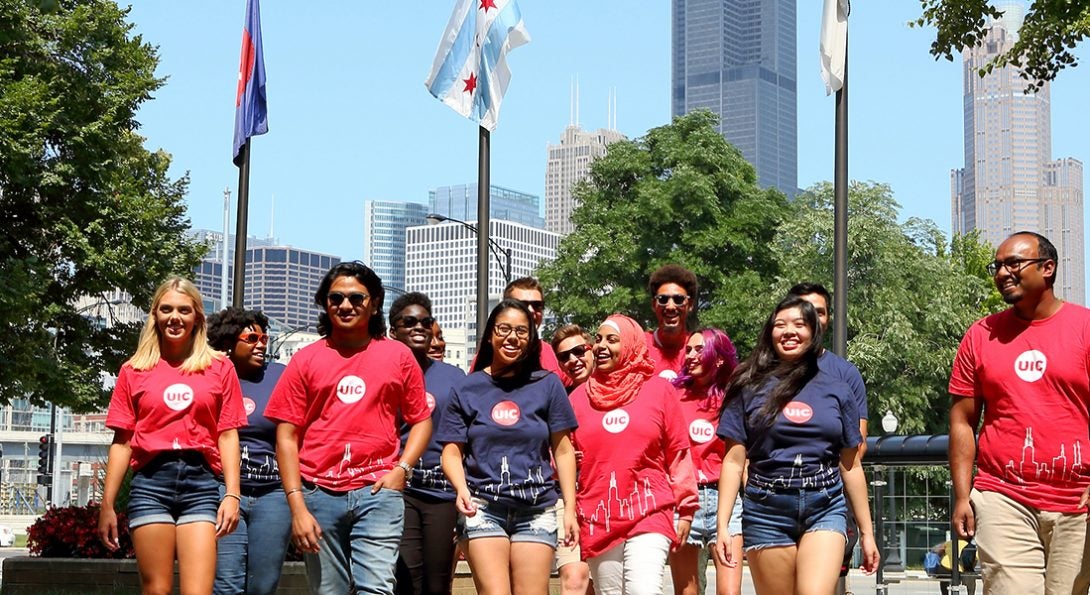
x: 72, y: 532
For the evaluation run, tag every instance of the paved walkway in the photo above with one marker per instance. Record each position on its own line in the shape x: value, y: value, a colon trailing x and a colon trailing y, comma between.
x: 910, y: 583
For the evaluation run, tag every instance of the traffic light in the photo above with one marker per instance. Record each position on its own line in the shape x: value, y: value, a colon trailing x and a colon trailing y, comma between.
x: 45, y: 459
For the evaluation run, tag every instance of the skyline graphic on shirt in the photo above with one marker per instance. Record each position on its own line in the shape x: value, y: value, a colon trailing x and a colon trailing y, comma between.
x: 345, y: 467
x: 431, y: 478
x: 824, y: 477
x: 268, y: 470
x: 1055, y: 470
x: 617, y: 507
x: 534, y: 483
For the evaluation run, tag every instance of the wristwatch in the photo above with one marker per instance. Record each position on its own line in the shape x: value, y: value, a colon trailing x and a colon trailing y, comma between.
x: 407, y: 468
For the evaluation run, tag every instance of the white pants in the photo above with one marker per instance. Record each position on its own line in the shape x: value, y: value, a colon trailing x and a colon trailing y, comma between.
x: 632, y: 567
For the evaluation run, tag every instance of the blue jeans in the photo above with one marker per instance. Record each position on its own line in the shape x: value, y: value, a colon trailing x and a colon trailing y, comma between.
x: 360, y: 536
x: 775, y: 517
x: 249, y: 560
x: 175, y: 488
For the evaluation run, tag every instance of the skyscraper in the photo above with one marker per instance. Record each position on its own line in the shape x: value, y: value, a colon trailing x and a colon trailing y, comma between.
x: 1010, y: 182
x: 460, y: 202
x: 384, y: 225
x: 569, y: 163
x: 737, y: 59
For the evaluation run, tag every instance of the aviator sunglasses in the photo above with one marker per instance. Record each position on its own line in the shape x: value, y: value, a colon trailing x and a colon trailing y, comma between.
x: 356, y: 299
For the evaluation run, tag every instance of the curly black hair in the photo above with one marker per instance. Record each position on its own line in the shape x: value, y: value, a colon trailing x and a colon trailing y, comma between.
x: 225, y: 326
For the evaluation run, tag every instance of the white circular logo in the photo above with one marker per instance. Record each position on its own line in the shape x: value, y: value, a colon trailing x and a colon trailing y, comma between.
x: 1030, y: 366
x: 430, y: 400
x: 351, y: 389
x: 798, y: 412
x: 701, y: 431
x: 178, y: 396
x: 250, y: 406
x: 615, y: 421
x: 668, y: 374
x: 506, y: 413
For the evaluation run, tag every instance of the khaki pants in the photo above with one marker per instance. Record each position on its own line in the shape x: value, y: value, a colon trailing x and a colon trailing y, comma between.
x: 1025, y: 551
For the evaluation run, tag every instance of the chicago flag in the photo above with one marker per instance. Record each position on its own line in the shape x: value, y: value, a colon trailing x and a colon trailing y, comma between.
x: 470, y: 71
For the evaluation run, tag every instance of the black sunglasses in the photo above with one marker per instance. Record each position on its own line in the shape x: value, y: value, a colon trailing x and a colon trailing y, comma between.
x: 578, y: 351
x: 356, y: 299
x: 412, y: 321
x: 535, y: 305
x: 664, y: 298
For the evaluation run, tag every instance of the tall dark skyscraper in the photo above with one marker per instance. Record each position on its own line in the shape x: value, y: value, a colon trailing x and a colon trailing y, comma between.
x: 737, y: 59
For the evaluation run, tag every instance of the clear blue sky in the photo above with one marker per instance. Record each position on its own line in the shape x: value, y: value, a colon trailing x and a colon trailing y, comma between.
x: 350, y: 120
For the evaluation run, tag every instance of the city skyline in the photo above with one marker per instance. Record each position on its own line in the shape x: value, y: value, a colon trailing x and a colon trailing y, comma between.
x: 345, y: 127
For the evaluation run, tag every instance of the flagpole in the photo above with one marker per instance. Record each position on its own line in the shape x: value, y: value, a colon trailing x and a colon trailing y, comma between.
x: 483, y: 199
x: 240, y: 226
x: 840, y: 217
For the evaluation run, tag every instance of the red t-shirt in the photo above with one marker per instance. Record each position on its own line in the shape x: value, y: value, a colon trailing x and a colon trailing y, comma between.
x: 667, y: 363
x: 167, y: 409
x: 624, y: 488
x: 346, y: 407
x: 550, y: 363
x: 701, y: 418
x: 1034, y: 379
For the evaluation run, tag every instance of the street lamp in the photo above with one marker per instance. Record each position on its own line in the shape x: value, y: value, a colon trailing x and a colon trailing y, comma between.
x: 893, y: 561
x: 497, y: 250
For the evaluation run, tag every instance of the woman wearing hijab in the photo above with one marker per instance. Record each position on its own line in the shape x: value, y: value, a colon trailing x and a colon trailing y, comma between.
x: 636, y: 470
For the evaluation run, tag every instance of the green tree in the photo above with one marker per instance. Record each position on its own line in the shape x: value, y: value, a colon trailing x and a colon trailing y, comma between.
x: 84, y: 207
x: 911, y: 295
x: 681, y: 194
x: 1050, y: 32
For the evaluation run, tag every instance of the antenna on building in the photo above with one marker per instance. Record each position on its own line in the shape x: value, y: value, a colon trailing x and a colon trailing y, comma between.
x: 577, y: 100
x: 613, y: 124
x: 272, y: 219
x: 571, y: 101
x: 223, y: 248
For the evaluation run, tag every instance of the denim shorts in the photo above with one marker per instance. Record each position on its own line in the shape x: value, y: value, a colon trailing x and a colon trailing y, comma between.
x: 775, y: 517
x: 517, y: 523
x: 704, y: 529
x: 177, y: 488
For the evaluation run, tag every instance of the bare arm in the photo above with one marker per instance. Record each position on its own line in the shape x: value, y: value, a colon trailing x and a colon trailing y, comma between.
x: 964, y: 417
x: 117, y: 464
x: 855, y: 487
x: 564, y: 455
x: 305, y: 530
x: 451, y: 461
x: 730, y: 483
x: 230, y: 459
x: 419, y: 435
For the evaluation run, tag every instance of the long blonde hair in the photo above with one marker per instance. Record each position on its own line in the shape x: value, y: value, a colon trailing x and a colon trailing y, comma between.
x: 200, y: 353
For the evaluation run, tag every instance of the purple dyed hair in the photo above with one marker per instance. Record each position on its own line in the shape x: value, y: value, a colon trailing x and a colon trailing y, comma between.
x: 717, y: 345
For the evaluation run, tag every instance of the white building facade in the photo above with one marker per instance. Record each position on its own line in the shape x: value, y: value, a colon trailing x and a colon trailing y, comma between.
x: 568, y: 163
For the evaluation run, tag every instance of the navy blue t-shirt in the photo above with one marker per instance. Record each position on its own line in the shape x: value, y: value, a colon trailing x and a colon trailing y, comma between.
x: 801, y: 447
x: 506, y: 428
x: 257, y: 438
x: 838, y: 367
x: 428, y: 479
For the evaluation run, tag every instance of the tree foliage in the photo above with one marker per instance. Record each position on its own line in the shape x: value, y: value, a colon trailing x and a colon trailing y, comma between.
x: 681, y: 194
x: 1048, y: 35
x: 84, y: 207
x: 911, y: 295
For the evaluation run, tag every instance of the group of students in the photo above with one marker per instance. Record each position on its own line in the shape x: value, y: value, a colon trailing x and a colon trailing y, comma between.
x: 605, y: 455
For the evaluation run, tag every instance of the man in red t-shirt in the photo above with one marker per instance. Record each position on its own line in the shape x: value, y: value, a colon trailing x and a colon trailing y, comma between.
x: 1027, y: 369
x: 528, y: 291
x: 339, y: 405
x: 673, y: 298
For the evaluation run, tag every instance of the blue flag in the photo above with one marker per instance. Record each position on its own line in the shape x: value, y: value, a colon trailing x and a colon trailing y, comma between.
x: 251, y: 113
x: 470, y: 72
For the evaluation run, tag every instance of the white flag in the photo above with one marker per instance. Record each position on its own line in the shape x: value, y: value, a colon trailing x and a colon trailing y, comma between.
x: 470, y: 72
x: 834, y: 44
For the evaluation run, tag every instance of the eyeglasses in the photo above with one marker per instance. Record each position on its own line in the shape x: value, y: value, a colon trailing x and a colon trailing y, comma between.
x: 664, y: 298
x: 535, y: 305
x: 356, y: 299
x: 1013, y: 265
x: 578, y: 351
x: 412, y: 321
x: 255, y: 338
x: 502, y: 330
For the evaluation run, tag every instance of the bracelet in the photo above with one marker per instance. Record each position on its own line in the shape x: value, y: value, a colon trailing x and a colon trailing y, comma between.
x: 292, y: 491
x: 235, y: 496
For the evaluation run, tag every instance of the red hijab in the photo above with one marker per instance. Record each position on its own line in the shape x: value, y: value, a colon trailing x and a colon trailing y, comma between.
x: 617, y: 387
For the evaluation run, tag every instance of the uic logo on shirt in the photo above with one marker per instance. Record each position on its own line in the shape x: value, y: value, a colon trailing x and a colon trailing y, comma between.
x: 430, y: 400
x: 798, y: 412
x: 178, y: 396
x: 701, y: 431
x: 506, y: 413
x: 668, y: 374
x: 615, y: 421
x: 1030, y: 366
x: 351, y: 389
x: 249, y: 404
